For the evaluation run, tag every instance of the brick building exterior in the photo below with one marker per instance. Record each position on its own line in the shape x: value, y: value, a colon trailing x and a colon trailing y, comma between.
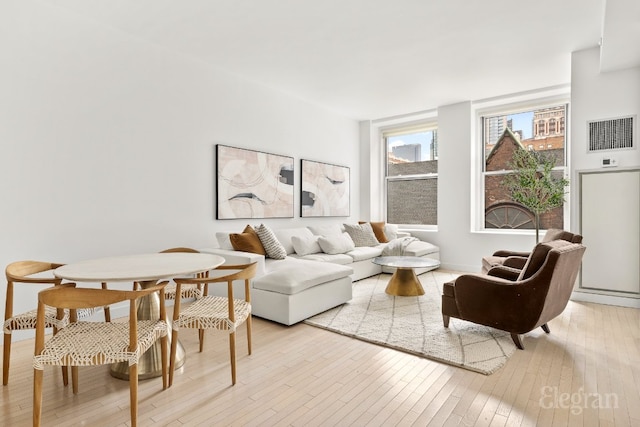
x: 421, y: 192
x: 500, y: 209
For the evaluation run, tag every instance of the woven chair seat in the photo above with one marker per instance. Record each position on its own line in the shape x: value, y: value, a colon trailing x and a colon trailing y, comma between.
x: 188, y: 291
x: 27, y: 320
x: 212, y: 312
x: 97, y: 343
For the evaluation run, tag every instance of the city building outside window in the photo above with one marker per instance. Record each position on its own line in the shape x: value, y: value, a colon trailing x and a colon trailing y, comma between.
x: 541, y: 129
x: 412, y: 175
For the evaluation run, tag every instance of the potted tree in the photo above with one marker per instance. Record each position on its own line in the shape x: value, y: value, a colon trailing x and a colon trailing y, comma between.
x: 534, y: 184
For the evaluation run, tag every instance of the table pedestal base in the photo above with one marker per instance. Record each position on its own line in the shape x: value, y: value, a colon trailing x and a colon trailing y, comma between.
x: 405, y: 283
x: 150, y: 363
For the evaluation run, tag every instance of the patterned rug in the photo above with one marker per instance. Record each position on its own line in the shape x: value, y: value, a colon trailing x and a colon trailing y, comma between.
x: 414, y: 325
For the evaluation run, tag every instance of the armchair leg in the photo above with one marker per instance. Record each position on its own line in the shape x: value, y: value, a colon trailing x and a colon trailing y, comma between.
x: 445, y: 320
x: 517, y: 341
x: 545, y: 328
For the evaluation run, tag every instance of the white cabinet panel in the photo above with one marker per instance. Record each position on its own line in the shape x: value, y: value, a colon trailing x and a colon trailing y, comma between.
x: 610, y: 225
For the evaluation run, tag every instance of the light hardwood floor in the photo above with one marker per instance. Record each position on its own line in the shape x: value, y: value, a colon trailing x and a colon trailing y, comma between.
x: 585, y: 373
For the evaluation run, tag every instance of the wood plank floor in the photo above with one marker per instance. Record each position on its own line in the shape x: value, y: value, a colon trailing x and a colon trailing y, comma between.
x: 585, y: 373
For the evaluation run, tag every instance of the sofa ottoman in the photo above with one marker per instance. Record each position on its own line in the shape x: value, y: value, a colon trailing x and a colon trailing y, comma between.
x: 294, y: 291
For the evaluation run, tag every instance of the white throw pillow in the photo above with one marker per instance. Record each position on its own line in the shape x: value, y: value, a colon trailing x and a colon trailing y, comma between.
x: 284, y: 236
x: 391, y: 231
x: 362, y: 234
x: 336, y: 244
x: 326, y: 230
x: 272, y: 247
x: 306, y: 245
x: 224, y: 241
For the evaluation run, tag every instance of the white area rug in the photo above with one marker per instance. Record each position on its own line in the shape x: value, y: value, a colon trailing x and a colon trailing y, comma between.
x: 414, y: 325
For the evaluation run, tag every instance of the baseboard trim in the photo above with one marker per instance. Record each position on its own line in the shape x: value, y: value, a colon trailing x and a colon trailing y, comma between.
x: 605, y: 299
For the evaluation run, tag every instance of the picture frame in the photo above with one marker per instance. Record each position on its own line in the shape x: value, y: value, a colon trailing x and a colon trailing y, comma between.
x: 253, y: 184
x: 325, y: 189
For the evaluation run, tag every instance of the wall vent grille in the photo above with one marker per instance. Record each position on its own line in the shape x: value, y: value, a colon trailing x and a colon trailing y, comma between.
x: 611, y: 134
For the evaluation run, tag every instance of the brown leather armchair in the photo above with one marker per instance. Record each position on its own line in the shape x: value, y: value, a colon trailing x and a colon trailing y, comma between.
x: 517, y: 259
x: 539, y: 293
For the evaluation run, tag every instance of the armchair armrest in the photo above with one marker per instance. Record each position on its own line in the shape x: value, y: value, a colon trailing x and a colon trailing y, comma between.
x: 515, y: 262
x: 497, y: 302
x: 504, y: 272
x: 506, y: 253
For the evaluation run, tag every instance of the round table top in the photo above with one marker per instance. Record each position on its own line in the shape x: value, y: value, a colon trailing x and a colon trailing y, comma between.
x: 406, y: 261
x: 139, y: 267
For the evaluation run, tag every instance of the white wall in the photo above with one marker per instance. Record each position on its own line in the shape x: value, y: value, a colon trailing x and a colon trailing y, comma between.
x: 599, y: 96
x: 108, y: 142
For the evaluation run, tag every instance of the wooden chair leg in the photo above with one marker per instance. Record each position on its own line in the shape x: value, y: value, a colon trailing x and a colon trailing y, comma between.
x: 445, y: 320
x: 107, y: 310
x: 37, y: 396
x: 232, y: 352
x: 65, y: 375
x: 249, y: 333
x: 172, y: 358
x: 164, y: 342
x: 65, y: 371
x: 201, y: 339
x: 517, y: 341
x: 133, y: 393
x: 74, y: 379
x: 6, y: 358
x: 545, y: 328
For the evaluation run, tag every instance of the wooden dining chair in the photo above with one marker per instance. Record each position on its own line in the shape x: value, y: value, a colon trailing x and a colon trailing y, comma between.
x: 214, y: 312
x: 32, y: 273
x: 96, y: 343
x: 21, y: 272
x: 188, y: 291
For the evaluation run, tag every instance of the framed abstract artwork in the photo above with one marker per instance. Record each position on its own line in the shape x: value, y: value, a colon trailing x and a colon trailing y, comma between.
x: 325, y: 189
x: 253, y: 184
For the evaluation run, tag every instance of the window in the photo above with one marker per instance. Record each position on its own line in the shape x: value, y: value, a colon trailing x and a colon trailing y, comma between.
x: 412, y: 175
x: 540, y: 129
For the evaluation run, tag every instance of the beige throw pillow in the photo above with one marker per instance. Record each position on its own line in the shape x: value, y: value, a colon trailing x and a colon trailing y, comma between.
x: 378, y: 230
x: 361, y: 234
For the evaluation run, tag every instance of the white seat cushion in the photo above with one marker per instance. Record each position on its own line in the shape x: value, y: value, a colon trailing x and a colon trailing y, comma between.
x: 342, y: 259
x: 362, y: 253
x: 293, y: 277
x: 421, y: 248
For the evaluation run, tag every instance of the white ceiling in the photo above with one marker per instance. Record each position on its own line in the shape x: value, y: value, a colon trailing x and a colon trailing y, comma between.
x: 369, y: 59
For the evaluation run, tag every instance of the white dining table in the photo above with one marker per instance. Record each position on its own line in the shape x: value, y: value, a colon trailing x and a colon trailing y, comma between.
x: 147, y: 270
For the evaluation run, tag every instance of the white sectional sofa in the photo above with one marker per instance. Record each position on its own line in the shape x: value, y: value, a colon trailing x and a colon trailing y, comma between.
x: 304, y: 284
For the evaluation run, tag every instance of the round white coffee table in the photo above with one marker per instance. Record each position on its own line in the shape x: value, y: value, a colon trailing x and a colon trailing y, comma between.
x: 404, y: 281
